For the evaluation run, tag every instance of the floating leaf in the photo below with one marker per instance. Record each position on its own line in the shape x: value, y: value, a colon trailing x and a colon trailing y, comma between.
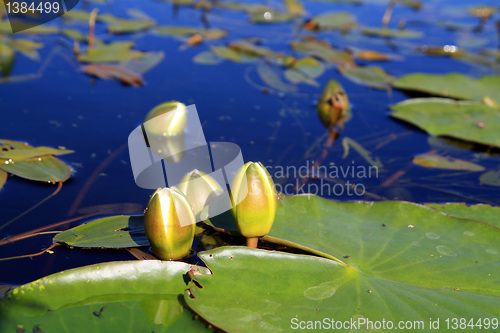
x: 79, y: 36
x: 226, y: 53
x: 76, y: 14
x: 469, y: 121
x: 26, y: 47
x: 113, y: 52
x: 431, y: 160
x: 453, y: 85
x: 246, y: 7
x: 7, y: 56
x: 110, y: 297
x: 309, y: 66
x: 323, y: 50
x: 482, y: 11
x: 142, y: 65
x: 271, y: 16
x: 335, y: 20
x: 19, y: 151
x: 294, y: 7
x: 114, y: 72
x: 348, y: 142
x: 491, y: 178
x: 480, y: 212
x: 213, y: 33
x: 413, y: 4
x: 110, y: 232
x: 207, y: 58
x: 293, y: 291
x: 254, y: 50
x: 372, y: 76
x: 371, y: 55
x: 3, y: 179
x: 391, y: 33
x: 123, y: 26
x: 44, y: 169
x: 296, y: 76
x: 273, y: 79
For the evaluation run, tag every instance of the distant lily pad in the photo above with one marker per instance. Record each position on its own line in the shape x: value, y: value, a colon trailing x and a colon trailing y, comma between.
x: 123, y: 26
x: 213, y: 33
x: 26, y: 47
x: 453, y: 85
x: 273, y: 79
x: 113, y: 52
x: 491, y: 178
x: 431, y: 160
x: 3, y: 178
x: 296, y: 76
x: 372, y: 76
x: 309, y: 66
x: 294, y: 7
x: 335, y: 20
x: 468, y: 121
x: 207, y: 58
x: 323, y: 50
x: 391, y: 33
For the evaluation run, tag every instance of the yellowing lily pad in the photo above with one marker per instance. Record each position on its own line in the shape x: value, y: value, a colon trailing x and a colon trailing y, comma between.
x: 3, y: 178
x: 467, y: 120
x: 431, y: 160
x: 19, y: 151
x: 335, y: 20
x: 122, y: 26
x: 391, y: 33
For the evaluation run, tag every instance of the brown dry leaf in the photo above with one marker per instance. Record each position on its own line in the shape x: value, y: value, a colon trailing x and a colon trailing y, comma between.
x: 104, y: 71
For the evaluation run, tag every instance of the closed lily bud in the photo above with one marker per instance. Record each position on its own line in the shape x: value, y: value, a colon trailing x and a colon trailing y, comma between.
x: 169, y: 224
x: 256, y: 200
x: 167, y: 119
x: 200, y: 189
x: 333, y: 105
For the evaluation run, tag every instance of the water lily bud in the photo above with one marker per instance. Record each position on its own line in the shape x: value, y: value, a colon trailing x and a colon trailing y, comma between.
x: 170, y: 119
x: 333, y: 105
x: 169, y: 224
x: 257, y: 197
x: 200, y: 189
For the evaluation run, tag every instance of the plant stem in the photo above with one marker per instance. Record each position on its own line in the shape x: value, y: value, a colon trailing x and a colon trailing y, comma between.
x: 252, y: 242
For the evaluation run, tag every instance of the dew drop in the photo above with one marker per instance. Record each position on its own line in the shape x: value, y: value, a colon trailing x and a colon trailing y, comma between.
x: 490, y: 251
x: 469, y: 233
x: 432, y: 235
x: 445, y: 250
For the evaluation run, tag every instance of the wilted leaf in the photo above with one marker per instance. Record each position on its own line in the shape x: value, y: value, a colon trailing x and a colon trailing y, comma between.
x: 367, y: 156
x: 491, y: 178
x: 44, y: 169
x: 370, y: 55
x: 109, y: 72
x: 335, y: 20
x: 431, y: 160
x: 207, y: 58
x: 296, y: 76
x: 454, y: 85
x: 322, y: 50
x: 240, y: 6
x: 113, y: 52
x: 26, y: 47
x: 469, y: 121
x: 3, y: 179
x: 18, y: 151
x: 273, y: 79
x: 391, y: 33
x: 372, y: 76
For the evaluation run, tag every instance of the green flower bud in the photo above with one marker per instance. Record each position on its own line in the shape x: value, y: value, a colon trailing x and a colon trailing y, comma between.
x: 169, y: 224
x: 333, y: 105
x: 256, y: 200
x: 171, y: 119
x: 200, y: 189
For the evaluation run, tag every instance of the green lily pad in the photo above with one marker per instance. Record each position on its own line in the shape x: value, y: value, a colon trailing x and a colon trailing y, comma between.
x: 491, y: 178
x: 273, y: 79
x: 78, y: 15
x: 296, y: 76
x: 7, y: 56
x: 213, y: 33
x: 207, y: 58
x: 112, y: 52
x: 254, y: 50
x: 335, y: 20
x: 110, y: 232
x: 310, y: 67
x: 123, y: 26
x: 371, y: 76
x: 26, y: 47
x: 3, y: 178
x: 271, y: 16
x: 480, y: 212
x: 43, y: 169
x: 294, y: 7
x: 256, y: 290
x: 468, y: 121
x: 453, y: 85
x: 431, y: 160
x: 391, y: 33
x: 108, y: 297
x: 323, y: 50
x: 19, y: 151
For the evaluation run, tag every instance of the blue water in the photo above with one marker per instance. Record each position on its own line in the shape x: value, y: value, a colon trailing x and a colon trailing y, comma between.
x: 94, y: 117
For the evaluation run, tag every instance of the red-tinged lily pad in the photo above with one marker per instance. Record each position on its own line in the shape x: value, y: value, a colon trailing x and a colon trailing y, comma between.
x: 114, y: 72
x: 434, y: 161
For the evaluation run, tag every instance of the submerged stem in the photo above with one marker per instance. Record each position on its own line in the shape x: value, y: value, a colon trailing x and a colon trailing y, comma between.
x: 252, y: 242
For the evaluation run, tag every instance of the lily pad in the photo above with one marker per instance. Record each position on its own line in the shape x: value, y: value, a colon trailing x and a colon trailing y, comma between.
x: 272, y: 78
x: 335, y: 21
x: 468, y: 121
x: 271, y: 16
x: 109, y: 72
x: 296, y: 76
x: 109, y: 297
x: 372, y: 76
x: 273, y: 291
x: 491, y: 178
x: 212, y: 33
x: 26, y: 47
x: 19, y: 151
x: 431, y: 160
x: 7, y: 56
x: 391, y: 33
x: 123, y: 26
x: 453, y: 85
x: 44, y: 169
x: 207, y: 58
x: 3, y: 178
x: 480, y: 212
x: 294, y: 7
x: 110, y: 232
x: 322, y: 50
x: 309, y: 66
x: 254, y: 50
x: 112, y: 52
